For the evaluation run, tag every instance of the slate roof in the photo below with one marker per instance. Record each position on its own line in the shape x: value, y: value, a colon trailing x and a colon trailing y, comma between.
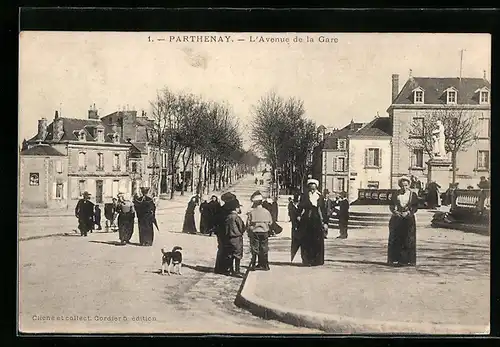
x: 139, y: 146
x: 72, y: 126
x: 434, y: 90
x: 330, y: 141
x: 377, y: 127
x: 42, y: 150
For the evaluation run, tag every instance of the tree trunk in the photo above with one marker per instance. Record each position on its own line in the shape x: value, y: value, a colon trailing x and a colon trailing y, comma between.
x: 453, y: 166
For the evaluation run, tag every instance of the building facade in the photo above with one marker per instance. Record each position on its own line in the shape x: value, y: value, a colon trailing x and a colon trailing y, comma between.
x: 96, y: 154
x: 420, y: 96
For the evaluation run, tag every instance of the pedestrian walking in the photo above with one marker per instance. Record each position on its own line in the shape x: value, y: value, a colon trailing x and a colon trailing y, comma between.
x: 189, y: 225
x: 290, y: 208
x: 84, y: 211
x: 126, y: 217
x: 402, y: 246
x: 433, y: 195
x: 274, y: 209
x: 97, y: 217
x: 343, y: 215
x: 313, y: 225
x: 235, y: 229
x: 259, y: 221
x: 204, y: 217
x: 213, y: 211
x: 222, y: 260
x: 146, y: 216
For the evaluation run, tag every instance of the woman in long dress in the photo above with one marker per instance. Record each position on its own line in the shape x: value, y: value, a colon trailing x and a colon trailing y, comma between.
x: 189, y: 223
x: 402, y: 248
x: 313, y: 225
x: 204, y: 217
x: 145, y: 209
x: 126, y: 216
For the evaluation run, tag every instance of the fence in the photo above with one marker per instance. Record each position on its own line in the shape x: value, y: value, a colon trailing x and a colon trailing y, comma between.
x: 375, y: 196
x: 471, y: 201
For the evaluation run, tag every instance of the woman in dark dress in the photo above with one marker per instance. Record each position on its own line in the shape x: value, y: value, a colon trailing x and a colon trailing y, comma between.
x: 126, y: 216
x: 313, y: 219
x: 222, y: 260
x: 145, y: 209
x: 204, y: 217
x: 189, y: 223
x: 402, y: 248
x: 213, y: 210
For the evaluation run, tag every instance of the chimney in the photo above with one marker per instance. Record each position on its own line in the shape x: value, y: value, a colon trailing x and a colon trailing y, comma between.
x: 42, y: 129
x: 57, y: 131
x: 395, y: 87
x: 56, y: 116
x: 484, y: 74
x: 93, y: 113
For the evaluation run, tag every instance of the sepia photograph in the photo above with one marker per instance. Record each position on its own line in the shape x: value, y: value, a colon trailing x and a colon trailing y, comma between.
x: 254, y: 183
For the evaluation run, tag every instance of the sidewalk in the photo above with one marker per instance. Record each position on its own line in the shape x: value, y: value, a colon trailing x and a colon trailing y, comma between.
x: 355, y: 292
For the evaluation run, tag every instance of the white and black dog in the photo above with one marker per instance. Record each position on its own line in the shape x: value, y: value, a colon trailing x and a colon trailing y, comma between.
x: 172, y: 258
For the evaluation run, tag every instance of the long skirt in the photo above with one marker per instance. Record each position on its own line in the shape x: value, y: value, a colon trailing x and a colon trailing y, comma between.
x: 146, y: 233
x: 402, y: 247
x: 125, y: 226
x: 204, y: 223
x: 189, y: 224
x: 222, y: 264
x: 85, y: 225
x: 312, y: 244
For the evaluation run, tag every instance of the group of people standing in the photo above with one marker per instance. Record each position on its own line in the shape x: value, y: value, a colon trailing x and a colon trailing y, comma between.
x: 141, y: 206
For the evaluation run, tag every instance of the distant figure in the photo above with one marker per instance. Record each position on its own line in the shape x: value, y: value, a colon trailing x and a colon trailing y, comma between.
x: 483, y: 183
x: 97, y: 217
x: 84, y: 211
x: 213, y: 210
x: 146, y: 217
x: 274, y: 209
x: 433, y: 195
x: 402, y: 247
x: 290, y: 208
x: 126, y: 216
x: 256, y: 180
x: 343, y: 215
x: 450, y: 194
x: 204, y: 217
x: 189, y: 223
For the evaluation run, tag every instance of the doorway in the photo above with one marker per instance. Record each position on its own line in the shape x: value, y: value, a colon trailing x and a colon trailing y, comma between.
x: 98, y: 191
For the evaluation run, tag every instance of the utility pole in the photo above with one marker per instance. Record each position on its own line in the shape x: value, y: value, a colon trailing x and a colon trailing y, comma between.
x: 461, y: 61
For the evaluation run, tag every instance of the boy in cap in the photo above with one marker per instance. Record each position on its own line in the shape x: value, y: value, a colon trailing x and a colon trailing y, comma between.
x: 234, y: 228
x: 258, y: 223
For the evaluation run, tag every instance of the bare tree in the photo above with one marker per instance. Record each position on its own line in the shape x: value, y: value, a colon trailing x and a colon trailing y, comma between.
x: 460, y: 128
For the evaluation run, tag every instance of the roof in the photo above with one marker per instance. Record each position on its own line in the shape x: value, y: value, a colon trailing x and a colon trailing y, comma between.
x: 377, y: 127
x: 434, y: 90
x: 140, y: 146
x: 330, y: 141
x: 72, y: 126
x: 43, y: 150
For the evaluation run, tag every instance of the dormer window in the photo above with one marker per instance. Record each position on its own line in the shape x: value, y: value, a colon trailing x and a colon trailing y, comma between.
x: 81, y: 135
x: 484, y: 95
x: 451, y: 95
x: 341, y: 144
x: 100, y: 134
x: 116, y: 138
x: 418, y: 95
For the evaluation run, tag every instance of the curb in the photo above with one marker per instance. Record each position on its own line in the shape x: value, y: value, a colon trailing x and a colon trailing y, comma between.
x: 334, y: 324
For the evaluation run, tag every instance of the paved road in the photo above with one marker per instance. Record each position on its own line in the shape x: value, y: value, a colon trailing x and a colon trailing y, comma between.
x: 74, y: 284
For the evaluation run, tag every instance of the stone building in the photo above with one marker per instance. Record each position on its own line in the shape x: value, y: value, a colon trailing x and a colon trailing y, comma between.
x: 96, y: 153
x: 422, y: 95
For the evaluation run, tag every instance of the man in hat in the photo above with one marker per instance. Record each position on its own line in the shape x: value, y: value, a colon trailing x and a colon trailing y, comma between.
x: 258, y: 224
x: 234, y: 232
x: 343, y: 215
x: 84, y: 211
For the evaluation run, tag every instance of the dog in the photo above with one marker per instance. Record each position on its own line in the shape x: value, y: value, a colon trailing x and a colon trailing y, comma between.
x: 171, y: 259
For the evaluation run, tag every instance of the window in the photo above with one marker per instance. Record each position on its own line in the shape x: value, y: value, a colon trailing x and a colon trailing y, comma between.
x: 82, y: 161
x: 59, y: 166
x: 417, y: 158
x: 100, y: 135
x: 59, y: 190
x: 340, y: 164
x: 373, y: 158
x: 417, y: 130
x: 34, y: 179
x: 115, y: 187
x: 483, y: 160
x: 116, y: 138
x: 341, y: 144
x: 134, y: 166
x: 451, y: 97
x: 116, y: 162
x: 340, y: 184
x: 484, y: 128
x: 81, y: 135
x: 373, y: 184
x: 100, y: 162
x: 484, y: 97
x: 419, y: 97
x: 81, y: 187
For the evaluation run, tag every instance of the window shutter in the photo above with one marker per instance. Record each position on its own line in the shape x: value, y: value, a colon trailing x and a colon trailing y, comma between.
x: 122, y: 162
x: 123, y: 185
x: 107, y: 187
x: 478, y: 162
x: 74, y: 189
x: 91, y: 187
x: 65, y: 191
x: 54, y: 188
x: 380, y: 157
x: 366, y: 157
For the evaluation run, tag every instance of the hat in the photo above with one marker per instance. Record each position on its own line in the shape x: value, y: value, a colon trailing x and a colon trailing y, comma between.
x: 227, y: 197
x: 85, y: 193
x: 313, y: 181
x: 232, y: 204
x: 256, y: 196
x: 144, y: 190
x: 404, y: 178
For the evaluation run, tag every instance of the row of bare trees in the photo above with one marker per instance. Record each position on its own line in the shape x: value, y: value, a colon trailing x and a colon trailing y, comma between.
x: 286, y: 139
x: 185, y: 125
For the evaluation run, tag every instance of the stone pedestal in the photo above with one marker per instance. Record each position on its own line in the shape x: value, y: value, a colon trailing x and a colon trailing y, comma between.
x: 439, y: 172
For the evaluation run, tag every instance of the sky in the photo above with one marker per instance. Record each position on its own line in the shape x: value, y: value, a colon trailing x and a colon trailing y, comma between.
x: 347, y: 78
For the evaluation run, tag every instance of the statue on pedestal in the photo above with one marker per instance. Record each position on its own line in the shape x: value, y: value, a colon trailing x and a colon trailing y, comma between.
x: 438, y: 149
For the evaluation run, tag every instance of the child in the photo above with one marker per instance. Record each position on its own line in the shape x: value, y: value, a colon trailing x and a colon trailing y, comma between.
x: 234, y: 231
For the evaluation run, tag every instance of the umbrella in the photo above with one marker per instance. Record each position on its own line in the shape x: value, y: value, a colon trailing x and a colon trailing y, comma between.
x: 155, y: 222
